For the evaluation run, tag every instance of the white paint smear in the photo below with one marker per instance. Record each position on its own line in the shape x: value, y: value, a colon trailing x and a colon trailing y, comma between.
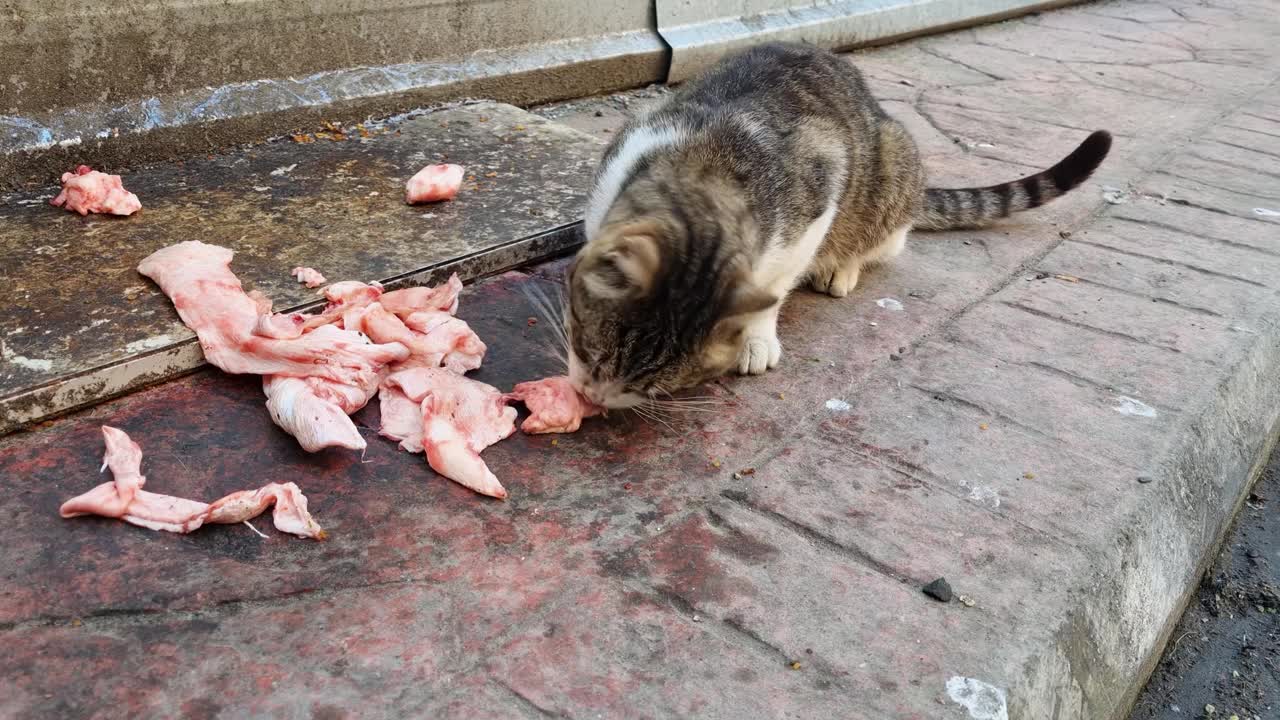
x: 1129, y: 406
x: 984, y: 495
x: 1264, y: 212
x: 21, y: 361
x: 1115, y: 195
x: 889, y: 304
x: 150, y: 343
x: 984, y: 701
x: 838, y: 405
x: 283, y: 170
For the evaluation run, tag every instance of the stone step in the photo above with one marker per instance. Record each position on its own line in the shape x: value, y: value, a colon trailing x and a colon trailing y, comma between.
x: 78, y: 324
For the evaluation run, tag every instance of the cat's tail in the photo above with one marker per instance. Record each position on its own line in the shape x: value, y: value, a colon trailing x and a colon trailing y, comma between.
x: 975, y: 207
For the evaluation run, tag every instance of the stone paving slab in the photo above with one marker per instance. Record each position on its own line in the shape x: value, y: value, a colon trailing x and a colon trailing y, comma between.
x: 1060, y: 420
x: 69, y: 340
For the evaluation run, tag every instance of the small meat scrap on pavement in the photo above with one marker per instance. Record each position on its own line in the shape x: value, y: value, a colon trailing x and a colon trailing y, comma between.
x: 124, y: 498
x: 434, y: 183
x: 450, y: 416
x: 89, y: 191
x: 555, y: 406
x: 308, y: 276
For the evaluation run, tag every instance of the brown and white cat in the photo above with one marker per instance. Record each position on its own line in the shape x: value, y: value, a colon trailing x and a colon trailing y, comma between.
x: 775, y: 167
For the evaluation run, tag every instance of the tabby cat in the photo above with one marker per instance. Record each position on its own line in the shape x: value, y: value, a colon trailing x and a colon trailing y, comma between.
x: 775, y: 167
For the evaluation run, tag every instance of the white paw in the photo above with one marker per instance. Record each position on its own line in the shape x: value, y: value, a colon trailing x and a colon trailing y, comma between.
x: 758, y: 354
x: 837, y: 283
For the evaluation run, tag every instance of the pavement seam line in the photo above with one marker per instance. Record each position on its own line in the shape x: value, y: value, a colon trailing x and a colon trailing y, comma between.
x: 1172, y: 263
x: 1184, y: 231
x: 1085, y: 326
x: 824, y: 541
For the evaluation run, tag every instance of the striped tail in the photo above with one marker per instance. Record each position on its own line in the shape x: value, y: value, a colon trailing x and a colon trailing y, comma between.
x: 975, y: 207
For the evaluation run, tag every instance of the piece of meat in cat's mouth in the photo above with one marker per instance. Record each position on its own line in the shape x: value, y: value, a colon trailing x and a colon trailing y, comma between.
x: 555, y: 406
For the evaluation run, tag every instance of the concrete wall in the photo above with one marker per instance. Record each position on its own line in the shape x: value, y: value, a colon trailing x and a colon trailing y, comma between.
x: 134, y: 81
x: 83, y: 52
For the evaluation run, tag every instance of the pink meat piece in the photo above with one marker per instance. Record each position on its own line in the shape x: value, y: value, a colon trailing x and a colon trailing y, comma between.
x: 555, y: 406
x: 89, y: 191
x: 308, y: 276
x: 210, y: 300
x: 124, y: 498
x: 410, y: 300
x: 401, y: 418
x: 434, y: 338
x: 433, y: 183
x: 343, y: 297
x: 457, y: 418
x: 284, y: 326
x: 314, y: 410
x: 280, y: 326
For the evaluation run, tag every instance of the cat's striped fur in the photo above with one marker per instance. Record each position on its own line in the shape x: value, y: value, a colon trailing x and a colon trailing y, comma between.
x: 775, y: 167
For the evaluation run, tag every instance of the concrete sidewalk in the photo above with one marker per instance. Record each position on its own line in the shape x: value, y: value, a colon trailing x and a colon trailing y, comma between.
x: 1060, y: 419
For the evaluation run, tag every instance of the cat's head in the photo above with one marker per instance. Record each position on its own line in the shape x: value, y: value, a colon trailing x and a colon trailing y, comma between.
x: 653, y: 309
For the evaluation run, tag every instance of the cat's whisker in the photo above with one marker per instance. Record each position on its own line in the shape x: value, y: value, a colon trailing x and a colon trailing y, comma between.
x: 689, y: 410
x: 682, y: 404
x: 645, y: 418
x: 552, y: 316
x: 651, y: 413
x: 558, y: 347
x: 683, y: 401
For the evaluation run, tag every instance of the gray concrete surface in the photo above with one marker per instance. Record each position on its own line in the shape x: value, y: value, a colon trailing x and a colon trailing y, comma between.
x: 1062, y: 420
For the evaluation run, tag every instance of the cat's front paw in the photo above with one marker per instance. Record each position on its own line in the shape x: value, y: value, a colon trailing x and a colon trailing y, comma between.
x: 836, y: 283
x: 758, y: 354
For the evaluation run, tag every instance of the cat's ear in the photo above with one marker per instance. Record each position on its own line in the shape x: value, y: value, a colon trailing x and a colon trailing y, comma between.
x: 627, y: 266
x: 746, y: 298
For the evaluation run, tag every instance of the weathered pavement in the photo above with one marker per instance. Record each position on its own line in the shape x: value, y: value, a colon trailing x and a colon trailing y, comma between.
x: 1061, y: 420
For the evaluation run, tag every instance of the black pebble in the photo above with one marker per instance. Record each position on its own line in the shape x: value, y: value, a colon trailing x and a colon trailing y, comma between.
x: 939, y: 590
x: 1144, y: 479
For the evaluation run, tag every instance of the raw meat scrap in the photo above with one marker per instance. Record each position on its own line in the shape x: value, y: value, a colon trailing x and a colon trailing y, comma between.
x: 463, y: 350
x: 343, y: 297
x: 308, y: 276
x: 210, y: 300
x: 410, y: 300
x: 554, y: 405
x: 313, y: 380
x: 434, y: 338
x: 314, y: 410
x: 456, y: 419
x: 89, y: 191
x: 125, y: 499
x: 351, y: 295
x: 432, y: 183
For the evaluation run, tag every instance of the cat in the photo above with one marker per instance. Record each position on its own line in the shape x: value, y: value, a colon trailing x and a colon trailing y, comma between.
x: 774, y: 167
